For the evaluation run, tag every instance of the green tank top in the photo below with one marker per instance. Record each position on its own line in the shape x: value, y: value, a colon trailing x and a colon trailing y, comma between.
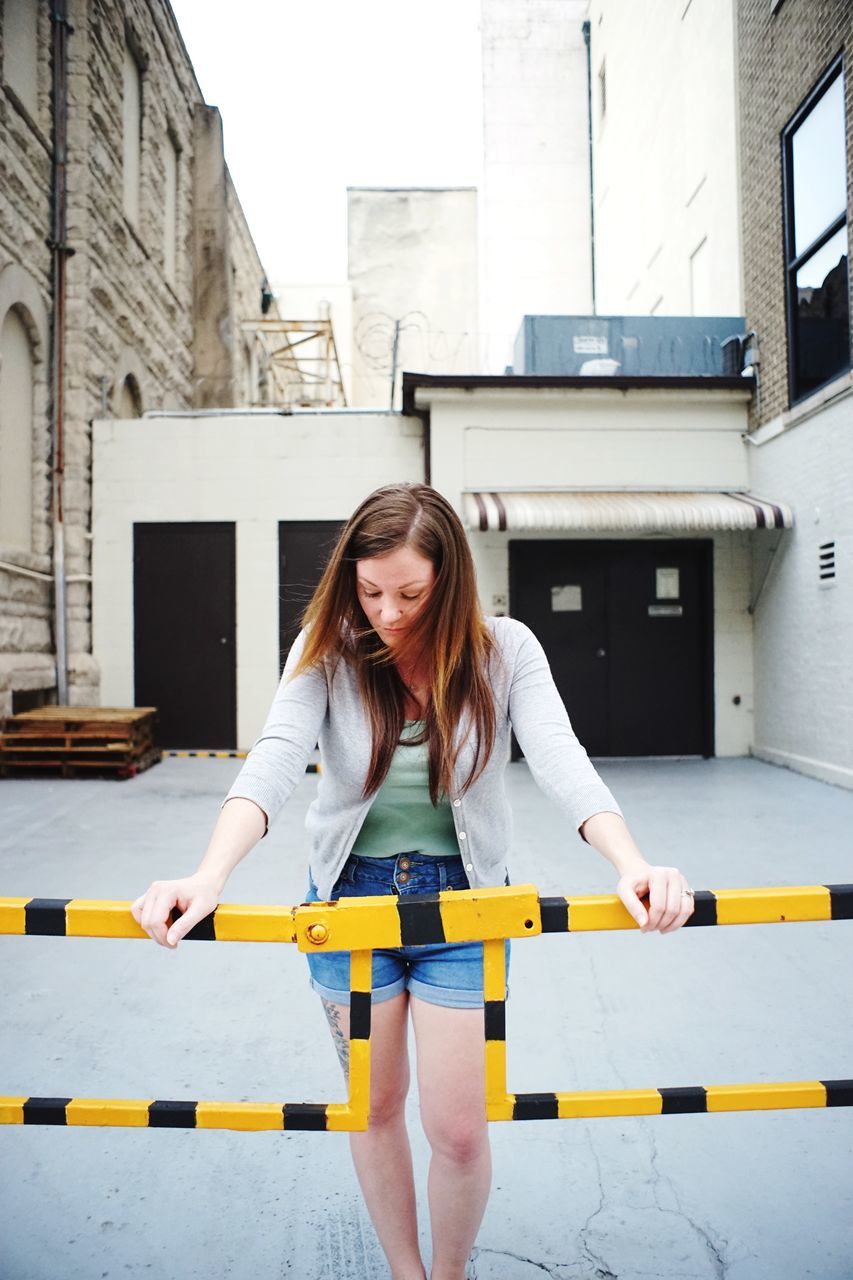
x: 402, y: 817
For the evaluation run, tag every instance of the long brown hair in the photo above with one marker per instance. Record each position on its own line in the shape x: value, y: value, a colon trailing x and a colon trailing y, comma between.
x: 448, y: 638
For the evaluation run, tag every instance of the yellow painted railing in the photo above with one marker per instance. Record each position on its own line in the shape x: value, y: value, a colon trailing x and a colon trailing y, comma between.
x: 359, y: 925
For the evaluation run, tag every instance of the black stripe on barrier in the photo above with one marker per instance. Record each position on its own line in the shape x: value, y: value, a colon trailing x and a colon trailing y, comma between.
x: 45, y: 1110
x: 167, y: 1114
x: 555, y: 915
x: 46, y: 916
x: 704, y: 909
x: 535, y: 1106
x: 359, y: 1015
x: 495, y: 1019
x: 420, y: 919
x: 203, y: 931
x: 839, y: 1093
x: 841, y: 901
x: 677, y: 1102
x: 305, y: 1115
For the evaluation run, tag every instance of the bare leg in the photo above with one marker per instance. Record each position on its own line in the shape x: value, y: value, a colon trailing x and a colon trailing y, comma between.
x: 382, y: 1155
x: 453, y: 1109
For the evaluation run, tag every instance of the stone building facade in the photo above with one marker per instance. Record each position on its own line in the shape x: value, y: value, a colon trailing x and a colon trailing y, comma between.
x: 160, y: 272
x: 796, y: 164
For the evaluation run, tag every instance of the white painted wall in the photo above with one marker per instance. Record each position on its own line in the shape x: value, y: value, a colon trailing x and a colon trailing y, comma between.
x: 254, y: 469
x: 257, y: 469
x: 600, y: 438
x: 665, y: 158
x: 804, y: 672
x: 534, y: 202
x: 412, y: 257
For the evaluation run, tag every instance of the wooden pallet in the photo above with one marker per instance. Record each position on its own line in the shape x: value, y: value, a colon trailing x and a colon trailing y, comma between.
x: 119, y: 740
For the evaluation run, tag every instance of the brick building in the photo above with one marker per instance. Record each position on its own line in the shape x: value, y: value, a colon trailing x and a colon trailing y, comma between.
x: 796, y: 158
x: 127, y: 299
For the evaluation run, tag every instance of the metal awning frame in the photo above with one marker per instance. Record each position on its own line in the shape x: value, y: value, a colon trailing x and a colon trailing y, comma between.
x: 610, y: 509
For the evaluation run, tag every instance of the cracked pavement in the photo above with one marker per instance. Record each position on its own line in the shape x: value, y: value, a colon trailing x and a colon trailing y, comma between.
x: 745, y: 1196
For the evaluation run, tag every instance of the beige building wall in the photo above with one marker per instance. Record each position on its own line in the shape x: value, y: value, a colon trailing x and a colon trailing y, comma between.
x: 253, y: 469
x: 664, y: 109
x: 413, y: 259
x: 534, y: 193
x: 148, y: 254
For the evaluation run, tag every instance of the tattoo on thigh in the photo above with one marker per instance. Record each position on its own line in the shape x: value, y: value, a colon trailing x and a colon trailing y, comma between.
x: 333, y: 1014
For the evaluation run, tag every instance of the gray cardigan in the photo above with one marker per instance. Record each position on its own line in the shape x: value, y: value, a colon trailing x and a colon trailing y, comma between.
x: 324, y: 705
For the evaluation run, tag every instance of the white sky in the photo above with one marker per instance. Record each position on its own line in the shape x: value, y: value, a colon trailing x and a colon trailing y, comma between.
x: 319, y: 95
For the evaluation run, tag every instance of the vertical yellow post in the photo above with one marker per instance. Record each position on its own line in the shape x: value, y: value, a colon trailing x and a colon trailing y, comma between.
x: 361, y: 983
x: 498, y: 1103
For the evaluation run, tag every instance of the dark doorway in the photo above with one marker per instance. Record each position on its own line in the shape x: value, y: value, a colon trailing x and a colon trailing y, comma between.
x: 184, y: 632
x: 304, y: 547
x: 627, y: 627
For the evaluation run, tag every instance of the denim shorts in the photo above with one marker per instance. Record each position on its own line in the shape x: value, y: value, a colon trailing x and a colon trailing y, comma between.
x: 449, y: 974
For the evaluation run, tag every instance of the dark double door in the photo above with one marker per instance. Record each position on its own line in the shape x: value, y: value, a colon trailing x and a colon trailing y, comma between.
x: 627, y: 628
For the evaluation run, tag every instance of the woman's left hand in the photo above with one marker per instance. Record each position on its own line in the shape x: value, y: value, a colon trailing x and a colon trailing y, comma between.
x: 669, y: 906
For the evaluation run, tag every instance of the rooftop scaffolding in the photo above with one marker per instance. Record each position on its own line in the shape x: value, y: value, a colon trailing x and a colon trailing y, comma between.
x: 295, y: 364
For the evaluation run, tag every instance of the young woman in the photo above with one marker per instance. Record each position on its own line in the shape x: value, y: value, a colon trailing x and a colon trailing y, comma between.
x: 412, y: 694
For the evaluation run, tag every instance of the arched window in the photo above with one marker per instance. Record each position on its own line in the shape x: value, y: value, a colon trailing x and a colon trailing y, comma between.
x: 171, y: 166
x: 250, y: 376
x: 129, y: 399
x: 16, y: 433
x: 131, y: 134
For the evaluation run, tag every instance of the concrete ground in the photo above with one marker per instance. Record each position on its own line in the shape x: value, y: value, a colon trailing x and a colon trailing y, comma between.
x: 747, y: 1196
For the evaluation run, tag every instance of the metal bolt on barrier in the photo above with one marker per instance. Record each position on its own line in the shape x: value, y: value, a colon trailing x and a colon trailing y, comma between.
x: 359, y: 925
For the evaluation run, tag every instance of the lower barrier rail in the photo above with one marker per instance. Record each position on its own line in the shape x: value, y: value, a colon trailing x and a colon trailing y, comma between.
x: 359, y: 925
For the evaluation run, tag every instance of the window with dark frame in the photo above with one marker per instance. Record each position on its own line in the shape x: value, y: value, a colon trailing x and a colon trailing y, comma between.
x: 814, y: 175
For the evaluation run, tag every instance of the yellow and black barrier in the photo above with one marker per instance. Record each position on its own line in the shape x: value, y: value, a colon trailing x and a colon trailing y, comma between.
x: 313, y: 767
x: 476, y: 915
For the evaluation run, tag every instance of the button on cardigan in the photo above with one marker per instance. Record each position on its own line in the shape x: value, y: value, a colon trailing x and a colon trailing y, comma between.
x: 324, y: 705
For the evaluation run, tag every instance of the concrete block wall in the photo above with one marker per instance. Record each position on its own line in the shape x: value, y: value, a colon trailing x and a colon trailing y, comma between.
x: 253, y: 469
x: 803, y: 453
x: 803, y: 630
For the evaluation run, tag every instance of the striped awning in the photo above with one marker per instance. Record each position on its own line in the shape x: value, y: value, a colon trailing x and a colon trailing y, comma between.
x: 633, y: 512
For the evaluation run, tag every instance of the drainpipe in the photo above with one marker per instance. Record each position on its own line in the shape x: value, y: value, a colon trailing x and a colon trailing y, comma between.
x: 586, y: 40
x: 60, y: 253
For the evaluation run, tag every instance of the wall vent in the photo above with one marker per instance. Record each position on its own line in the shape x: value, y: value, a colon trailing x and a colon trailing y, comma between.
x: 826, y: 564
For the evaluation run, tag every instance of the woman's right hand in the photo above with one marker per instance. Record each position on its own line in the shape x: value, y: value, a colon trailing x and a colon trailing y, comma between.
x: 195, y: 896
